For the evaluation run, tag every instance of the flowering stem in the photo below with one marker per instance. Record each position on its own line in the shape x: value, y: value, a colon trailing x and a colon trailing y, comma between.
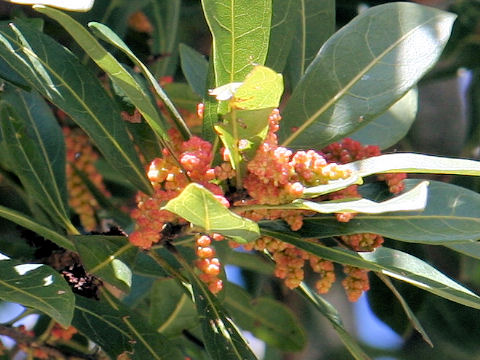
x: 236, y: 156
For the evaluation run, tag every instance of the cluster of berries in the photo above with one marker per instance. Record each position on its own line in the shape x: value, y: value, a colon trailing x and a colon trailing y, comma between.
x: 208, y: 264
x: 276, y: 175
x: 81, y: 157
x: 169, y: 175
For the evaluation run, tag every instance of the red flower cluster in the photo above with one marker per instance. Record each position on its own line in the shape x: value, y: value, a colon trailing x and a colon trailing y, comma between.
x: 276, y: 176
x: 169, y: 175
x: 82, y: 156
x: 208, y: 263
x: 356, y: 282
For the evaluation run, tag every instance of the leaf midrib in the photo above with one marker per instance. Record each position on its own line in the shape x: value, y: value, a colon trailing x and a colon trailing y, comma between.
x: 28, y: 52
x: 350, y: 85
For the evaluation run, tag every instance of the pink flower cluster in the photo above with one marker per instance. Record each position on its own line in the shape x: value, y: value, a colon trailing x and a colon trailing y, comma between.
x: 169, y: 175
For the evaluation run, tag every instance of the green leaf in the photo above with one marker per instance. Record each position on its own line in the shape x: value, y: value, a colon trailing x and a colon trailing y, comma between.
x: 471, y: 249
x: 392, y: 126
x: 76, y: 5
x: 251, y: 261
x: 414, y: 199
x: 200, y: 207
x: 362, y: 70
x: 267, y: 319
x: 28, y: 223
x: 414, y: 163
x: 451, y: 216
x: 223, y: 341
x: 195, y: 68
x: 164, y: 16
x: 390, y: 262
x: 118, y: 330
x: 332, y: 315
x: 183, y: 96
x: 211, y: 107
x: 281, y: 34
x: 171, y: 314
x: 108, y: 257
x: 37, y: 286
x: 240, y: 31
x: 35, y: 152
x: 410, y: 314
x: 7, y: 73
x: 42, y: 62
x: 333, y: 185
x: 242, y: 133
x: 119, y: 75
x: 104, y: 33
x: 313, y: 23
x: 43, y: 129
x: 261, y: 89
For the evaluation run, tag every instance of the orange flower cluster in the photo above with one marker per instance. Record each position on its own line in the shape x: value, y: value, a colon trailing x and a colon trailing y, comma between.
x: 276, y: 176
x: 82, y: 156
x: 169, y: 175
x: 356, y: 282
x: 208, y: 264
x: 59, y: 333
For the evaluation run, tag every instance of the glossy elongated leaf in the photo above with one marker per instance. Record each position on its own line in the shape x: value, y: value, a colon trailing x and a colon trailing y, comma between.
x: 200, y: 207
x: 119, y: 75
x: 410, y: 314
x: 37, y: 286
x: 262, y: 88
x: 43, y: 63
x: 281, y: 34
x: 118, y: 330
x: 171, y: 314
x: 414, y: 199
x: 313, y: 23
x: 242, y: 133
x: 252, y: 262
x: 195, y: 68
x: 164, y: 16
x: 106, y: 34
x: 211, y: 108
x: 183, y: 96
x: 392, y: 126
x: 36, y: 152
x: 108, y: 257
x: 223, y: 341
x: 333, y: 185
x: 267, y: 319
x: 71, y: 5
x: 42, y: 127
x: 414, y: 163
x: 471, y: 249
x: 28, y: 223
x: 332, y: 315
x: 240, y: 31
x: 362, y: 70
x: 450, y: 216
x: 393, y: 263
x: 7, y: 73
